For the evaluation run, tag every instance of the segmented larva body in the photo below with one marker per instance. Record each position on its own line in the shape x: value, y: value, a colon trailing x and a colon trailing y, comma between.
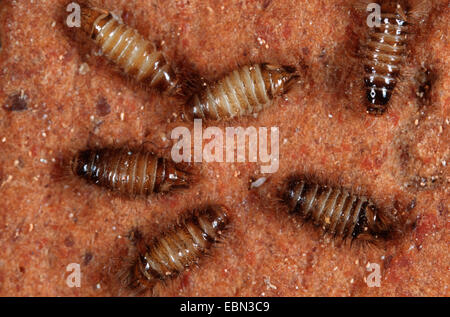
x: 129, y: 172
x: 384, y: 55
x: 338, y: 211
x: 245, y: 91
x: 125, y: 47
x: 178, y: 248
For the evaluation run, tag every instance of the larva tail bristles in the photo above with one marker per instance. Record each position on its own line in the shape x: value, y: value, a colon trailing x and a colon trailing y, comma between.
x: 63, y: 169
x: 191, y: 84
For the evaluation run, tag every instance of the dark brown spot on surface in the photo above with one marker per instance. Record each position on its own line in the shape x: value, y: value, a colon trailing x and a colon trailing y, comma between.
x: 87, y: 258
x: 68, y: 241
x: 425, y: 79
x: 266, y: 4
x: 103, y: 107
x: 16, y: 102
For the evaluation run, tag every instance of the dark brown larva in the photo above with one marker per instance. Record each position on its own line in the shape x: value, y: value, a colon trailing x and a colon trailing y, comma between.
x: 245, y: 91
x: 131, y: 172
x: 338, y: 211
x: 178, y: 248
x: 124, y: 46
x: 384, y: 54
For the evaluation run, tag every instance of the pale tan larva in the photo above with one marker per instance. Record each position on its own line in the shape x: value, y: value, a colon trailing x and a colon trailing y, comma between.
x: 130, y: 172
x: 123, y: 45
x: 244, y: 91
x: 338, y: 211
x: 179, y: 247
x: 384, y: 54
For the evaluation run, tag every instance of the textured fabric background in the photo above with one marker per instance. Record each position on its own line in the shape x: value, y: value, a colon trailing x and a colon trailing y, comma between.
x: 58, y: 95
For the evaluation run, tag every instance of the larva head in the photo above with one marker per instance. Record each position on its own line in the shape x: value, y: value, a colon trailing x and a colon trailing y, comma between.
x: 290, y: 193
x: 79, y: 165
x: 171, y: 176
x: 217, y: 215
x: 133, y: 279
x: 374, y: 224
x: 400, y: 6
x: 377, y: 99
x: 90, y: 19
x: 278, y: 79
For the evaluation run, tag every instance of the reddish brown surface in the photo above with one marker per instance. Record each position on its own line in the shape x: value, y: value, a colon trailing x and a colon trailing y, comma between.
x: 46, y: 223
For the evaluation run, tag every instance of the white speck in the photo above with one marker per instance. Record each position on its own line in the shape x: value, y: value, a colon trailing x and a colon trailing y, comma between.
x: 114, y: 228
x: 444, y: 163
x: 258, y: 182
x: 119, y: 237
x: 42, y: 160
x: 83, y: 69
x: 411, y: 247
x: 44, y: 134
x: 53, y: 24
x: 98, y: 286
x: 71, y: 215
x: 268, y: 284
x: 352, y: 281
x: 122, y: 116
x: 330, y: 116
x: 4, y: 139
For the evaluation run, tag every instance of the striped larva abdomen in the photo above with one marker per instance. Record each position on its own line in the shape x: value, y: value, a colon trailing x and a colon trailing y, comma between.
x: 179, y: 247
x: 130, y: 172
x: 244, y: 91
x: 384, y: 54
x: 124, y: 46
x: 338, y: 211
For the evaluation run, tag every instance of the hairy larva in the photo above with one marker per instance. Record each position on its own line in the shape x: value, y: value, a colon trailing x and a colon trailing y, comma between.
x: 338, y: 211
x: 244, y: 91
x: 124, y: 46
x: 131, y: 172
x: 179, y: 247
x: 384, y: 54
